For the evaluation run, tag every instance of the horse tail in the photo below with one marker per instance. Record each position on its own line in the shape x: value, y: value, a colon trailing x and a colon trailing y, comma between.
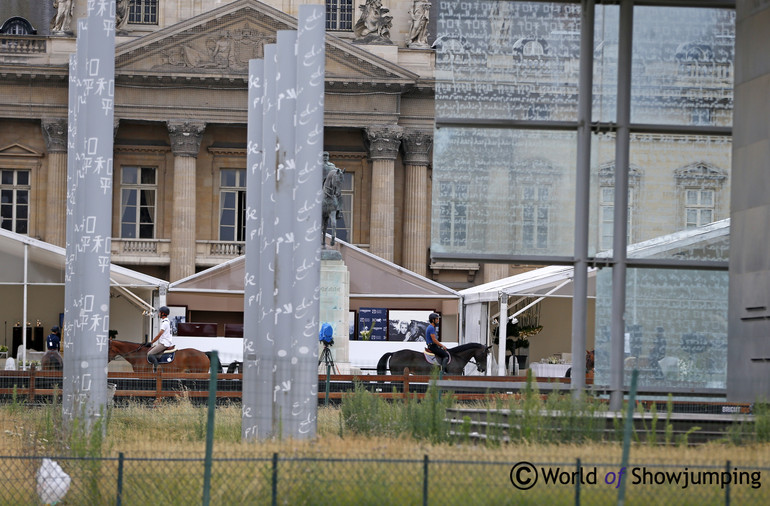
x: 382, y: 365
x: 219, y: 364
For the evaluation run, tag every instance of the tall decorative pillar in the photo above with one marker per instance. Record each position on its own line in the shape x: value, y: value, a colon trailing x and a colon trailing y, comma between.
x: 55, y: 135
x: 185, y: 143
x: 383, y: 141
x: 417, y: 146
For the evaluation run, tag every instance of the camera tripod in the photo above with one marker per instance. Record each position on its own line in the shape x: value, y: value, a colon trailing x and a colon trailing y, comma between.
x: 326, y: 358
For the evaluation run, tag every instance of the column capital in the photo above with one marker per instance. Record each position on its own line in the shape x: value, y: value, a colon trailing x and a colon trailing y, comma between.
x: 417, y: 144
x: 185, y: 136
x: 384, y: 141
x: 55, y: 134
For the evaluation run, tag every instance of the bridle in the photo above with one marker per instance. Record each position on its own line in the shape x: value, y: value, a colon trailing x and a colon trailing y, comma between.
x: 480, y: 366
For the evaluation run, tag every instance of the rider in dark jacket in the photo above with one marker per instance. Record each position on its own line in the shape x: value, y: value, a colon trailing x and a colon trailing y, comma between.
x: 434, y: 345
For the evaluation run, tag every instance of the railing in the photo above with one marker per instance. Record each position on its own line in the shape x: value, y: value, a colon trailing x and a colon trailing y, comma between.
x: 37, y: 385
x: 150, y: 251
x: 225, y: 248
x: 21, y: 44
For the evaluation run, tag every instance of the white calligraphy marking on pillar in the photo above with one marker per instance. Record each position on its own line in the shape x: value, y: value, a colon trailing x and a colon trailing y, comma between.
x: 85, y: 384
x: 91, y: 225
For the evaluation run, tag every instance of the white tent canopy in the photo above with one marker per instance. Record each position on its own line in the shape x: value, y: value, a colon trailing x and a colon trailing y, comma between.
x: 32, y: 288
x: 709, y: 242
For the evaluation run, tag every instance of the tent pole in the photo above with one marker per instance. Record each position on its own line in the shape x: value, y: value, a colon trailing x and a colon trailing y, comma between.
x: 24, y: 313
x: 502, y: 328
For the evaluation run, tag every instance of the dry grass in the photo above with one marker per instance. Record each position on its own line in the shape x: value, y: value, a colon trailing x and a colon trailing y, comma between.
x: 135, y: 430
x: 371, y: 470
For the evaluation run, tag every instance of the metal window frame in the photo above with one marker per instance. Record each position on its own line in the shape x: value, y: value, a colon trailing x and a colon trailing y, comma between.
x: 585, y: 128
x: 334, y: 16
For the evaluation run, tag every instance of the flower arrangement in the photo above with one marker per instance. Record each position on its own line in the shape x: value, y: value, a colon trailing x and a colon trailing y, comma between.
x: 366, y: 334
x: 3, y: 348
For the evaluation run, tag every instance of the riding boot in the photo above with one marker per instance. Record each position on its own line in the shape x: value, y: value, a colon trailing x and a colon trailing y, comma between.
x: 444, y: 364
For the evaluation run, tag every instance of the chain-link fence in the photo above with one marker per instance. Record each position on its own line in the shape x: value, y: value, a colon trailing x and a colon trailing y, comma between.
x: 297, y: 479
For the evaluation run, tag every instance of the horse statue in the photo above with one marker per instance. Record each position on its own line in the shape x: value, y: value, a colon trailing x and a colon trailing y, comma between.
x: 51, y: 361
x: 186, y: 360
x: 397, y: 361
x: 332, y: 201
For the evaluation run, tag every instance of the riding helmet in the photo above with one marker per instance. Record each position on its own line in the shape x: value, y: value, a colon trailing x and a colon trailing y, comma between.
x: 164, y: 310
x: 433, y: 316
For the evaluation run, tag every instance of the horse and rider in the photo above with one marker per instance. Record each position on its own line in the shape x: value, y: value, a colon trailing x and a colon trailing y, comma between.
x: 451, y: 361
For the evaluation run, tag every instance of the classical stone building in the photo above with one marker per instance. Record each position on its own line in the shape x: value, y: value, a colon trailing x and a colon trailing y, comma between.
x: 180, y: 128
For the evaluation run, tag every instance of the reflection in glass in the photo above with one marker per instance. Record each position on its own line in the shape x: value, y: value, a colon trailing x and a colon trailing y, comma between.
x: 507, y: 60
x: 675, y: 183
x: 503, y: 192
x: 682, y: 65
x: 676, y: 327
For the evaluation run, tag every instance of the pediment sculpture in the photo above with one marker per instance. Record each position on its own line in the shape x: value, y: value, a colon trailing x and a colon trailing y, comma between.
x: 373, y: 27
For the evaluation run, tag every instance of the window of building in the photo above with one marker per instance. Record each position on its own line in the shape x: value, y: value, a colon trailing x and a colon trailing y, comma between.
x: 700, y: 183
x: 339, y: 15
x: 143, y: 12
x: 17, y: 26
x: 699, y: 208
x: 606, y: 213
x: 14, y: 200
x: 453, y: 213
x: 535, y: 216
x: 232, y: 205
x: 345, y: 224
x: 138, y: 202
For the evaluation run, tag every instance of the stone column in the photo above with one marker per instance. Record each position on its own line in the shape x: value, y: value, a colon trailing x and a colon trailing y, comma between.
x: 415, y: 241
x: 55, y: 135
x: 185, y: 143
x: 384, y: 141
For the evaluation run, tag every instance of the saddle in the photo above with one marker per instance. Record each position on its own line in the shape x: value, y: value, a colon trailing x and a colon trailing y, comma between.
x: 166, y: 357
x: 430, y: 357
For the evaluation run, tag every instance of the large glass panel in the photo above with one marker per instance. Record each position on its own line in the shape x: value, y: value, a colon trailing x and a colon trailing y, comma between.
x: 682, y: 66
x: 675, y: 183
x: 507, y: 60
x: 676, y: 327
x: 508, y: 192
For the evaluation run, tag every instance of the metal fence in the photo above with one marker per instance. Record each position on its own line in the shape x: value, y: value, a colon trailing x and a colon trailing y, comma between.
x: 291, y: 479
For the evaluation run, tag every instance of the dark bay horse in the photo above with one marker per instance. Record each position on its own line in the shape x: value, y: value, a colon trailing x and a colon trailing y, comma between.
x: 415, y: 360
x: 51, y: 361
x: 186, y: 360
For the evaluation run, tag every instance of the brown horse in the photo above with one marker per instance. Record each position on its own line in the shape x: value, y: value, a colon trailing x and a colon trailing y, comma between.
x: 51, y: 361
x: 186, y: 360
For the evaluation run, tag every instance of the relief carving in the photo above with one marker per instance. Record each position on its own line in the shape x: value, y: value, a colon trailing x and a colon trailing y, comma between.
x: 185, y: 136
x: 384, y: 141
x: 55, y: 134
x: 224, y: 50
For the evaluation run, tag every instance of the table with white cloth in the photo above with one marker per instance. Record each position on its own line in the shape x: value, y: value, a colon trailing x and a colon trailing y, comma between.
x: 549, y: 370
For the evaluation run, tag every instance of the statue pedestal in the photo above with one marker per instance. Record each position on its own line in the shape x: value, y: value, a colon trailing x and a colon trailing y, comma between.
x: 335, y: 304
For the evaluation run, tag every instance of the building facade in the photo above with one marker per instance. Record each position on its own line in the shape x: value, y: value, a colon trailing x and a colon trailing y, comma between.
x: 180, y: 129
